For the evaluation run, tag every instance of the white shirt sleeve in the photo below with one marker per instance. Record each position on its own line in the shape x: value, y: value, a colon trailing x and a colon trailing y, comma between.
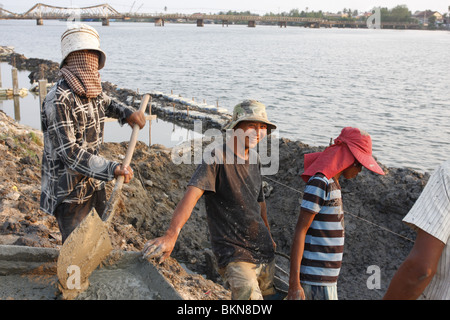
x: 431, y: 212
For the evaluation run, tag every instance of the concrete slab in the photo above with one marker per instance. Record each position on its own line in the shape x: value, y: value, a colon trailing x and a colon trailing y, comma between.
x: 29, y: 273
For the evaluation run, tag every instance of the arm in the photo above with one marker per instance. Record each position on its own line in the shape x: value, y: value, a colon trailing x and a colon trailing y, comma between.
x: 417, y: 270
x: 117, y: 110
x: 304, y: 222
x: 162, y: 247
x: 266, y: 222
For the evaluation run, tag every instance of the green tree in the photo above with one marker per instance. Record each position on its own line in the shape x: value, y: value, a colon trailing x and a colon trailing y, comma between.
x: 399, y: 13
x: 432, y: 22
x: 294, y: 13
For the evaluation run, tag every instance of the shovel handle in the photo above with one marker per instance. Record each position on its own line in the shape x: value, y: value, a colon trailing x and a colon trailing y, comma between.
x: 135, y: 133
x: 110, y: 206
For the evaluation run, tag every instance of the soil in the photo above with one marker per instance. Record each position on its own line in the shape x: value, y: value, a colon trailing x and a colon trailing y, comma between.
x: 374, y: 206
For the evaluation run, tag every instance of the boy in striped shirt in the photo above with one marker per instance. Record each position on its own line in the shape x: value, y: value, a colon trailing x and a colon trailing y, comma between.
x: 316, y: 254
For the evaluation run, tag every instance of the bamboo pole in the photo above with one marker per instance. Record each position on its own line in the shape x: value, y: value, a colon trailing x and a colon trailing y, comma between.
x: 15, y: 81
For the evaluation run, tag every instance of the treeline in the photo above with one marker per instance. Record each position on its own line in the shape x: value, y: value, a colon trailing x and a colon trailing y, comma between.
x: 400, y: 13
x: 236, y: 13
x: 298, y: 13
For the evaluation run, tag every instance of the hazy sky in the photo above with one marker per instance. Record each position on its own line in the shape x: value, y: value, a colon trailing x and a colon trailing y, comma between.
x: 214, y: 6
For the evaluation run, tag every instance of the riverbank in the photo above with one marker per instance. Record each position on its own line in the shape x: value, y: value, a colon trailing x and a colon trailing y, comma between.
x: 372, y: 203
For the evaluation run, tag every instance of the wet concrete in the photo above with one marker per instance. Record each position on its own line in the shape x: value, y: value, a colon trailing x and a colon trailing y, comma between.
x: 29, y: 273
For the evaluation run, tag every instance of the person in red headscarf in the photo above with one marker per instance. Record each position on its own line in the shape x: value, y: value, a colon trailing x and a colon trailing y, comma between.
x: 316, y: 253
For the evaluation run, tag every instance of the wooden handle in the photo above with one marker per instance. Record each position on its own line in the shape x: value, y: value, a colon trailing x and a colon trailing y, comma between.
x: 110, y: 206
x: 134, y: 134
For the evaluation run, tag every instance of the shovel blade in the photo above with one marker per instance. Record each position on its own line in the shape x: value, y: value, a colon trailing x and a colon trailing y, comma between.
x: 82, y: 252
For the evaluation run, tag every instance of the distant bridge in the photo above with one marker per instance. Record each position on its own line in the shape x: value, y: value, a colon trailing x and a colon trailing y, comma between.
x: 105, y: 12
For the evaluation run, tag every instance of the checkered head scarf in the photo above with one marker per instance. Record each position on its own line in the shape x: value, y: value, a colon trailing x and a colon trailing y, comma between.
x: 80, y: 70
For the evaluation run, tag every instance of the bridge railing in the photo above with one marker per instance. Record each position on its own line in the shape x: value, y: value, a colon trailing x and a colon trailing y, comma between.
x: 5, y: 13
x: 222, y: 17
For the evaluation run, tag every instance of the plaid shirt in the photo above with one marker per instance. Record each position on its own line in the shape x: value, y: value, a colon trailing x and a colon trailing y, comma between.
x: 73, y: 131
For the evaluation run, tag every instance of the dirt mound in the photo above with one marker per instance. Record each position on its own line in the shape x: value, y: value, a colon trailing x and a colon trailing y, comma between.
x: 143, y: 213
x: 374, y: 205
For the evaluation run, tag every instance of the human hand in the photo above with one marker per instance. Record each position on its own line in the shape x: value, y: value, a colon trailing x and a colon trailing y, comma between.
x: 159, y: 248
x: 126, y: 172
x: 136, y: 118
x: 296, y: 293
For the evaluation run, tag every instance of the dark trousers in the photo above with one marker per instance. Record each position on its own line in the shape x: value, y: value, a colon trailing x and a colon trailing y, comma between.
x: 69, y: 215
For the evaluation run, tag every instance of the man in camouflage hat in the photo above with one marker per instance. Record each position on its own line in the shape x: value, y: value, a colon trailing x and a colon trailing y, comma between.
x: 235, y: 208
x: 250, y: 110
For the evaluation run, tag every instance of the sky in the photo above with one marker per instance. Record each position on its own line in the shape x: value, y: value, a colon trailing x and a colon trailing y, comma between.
x: 214, y: 6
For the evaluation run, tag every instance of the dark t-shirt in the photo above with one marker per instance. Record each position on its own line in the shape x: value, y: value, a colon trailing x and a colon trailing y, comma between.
x: 232, y: 195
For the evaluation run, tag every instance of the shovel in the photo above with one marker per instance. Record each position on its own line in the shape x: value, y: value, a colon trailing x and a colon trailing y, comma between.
x: 89, y: 243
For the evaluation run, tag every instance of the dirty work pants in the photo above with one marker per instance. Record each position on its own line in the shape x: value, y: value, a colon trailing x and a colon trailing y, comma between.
x: 248, y: 281
x: 313, y: 292
x: 69, y: 215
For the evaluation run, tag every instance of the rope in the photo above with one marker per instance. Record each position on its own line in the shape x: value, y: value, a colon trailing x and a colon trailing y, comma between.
x: 349, y: 213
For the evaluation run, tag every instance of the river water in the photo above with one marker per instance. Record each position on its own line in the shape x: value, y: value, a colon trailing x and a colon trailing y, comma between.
x: 395, y: 84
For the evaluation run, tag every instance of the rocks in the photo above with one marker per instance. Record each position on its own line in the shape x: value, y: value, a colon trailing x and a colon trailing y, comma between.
x: 39, y: 68
x: 6, y: 51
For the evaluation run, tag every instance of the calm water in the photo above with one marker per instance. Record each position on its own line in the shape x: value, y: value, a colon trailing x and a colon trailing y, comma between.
x: 392, y: 83
x: 26, y: 111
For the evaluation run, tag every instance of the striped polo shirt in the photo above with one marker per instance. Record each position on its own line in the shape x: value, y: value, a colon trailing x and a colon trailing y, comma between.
x: 324, y: 242
x: 431, y: 213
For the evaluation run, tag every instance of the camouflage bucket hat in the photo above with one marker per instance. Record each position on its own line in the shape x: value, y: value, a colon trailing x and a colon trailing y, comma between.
x: 250, y: 110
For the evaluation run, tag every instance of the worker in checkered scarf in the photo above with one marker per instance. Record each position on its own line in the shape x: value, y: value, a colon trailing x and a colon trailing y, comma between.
x: 73, y: 114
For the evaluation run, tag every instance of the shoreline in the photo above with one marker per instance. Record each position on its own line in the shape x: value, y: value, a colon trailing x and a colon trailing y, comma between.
x: 150, y: 199
x: 168, y: 107
x: 171, y: 107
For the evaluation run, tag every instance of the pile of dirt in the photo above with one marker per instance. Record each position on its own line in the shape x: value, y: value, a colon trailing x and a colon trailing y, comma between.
x: 374, y: 206
x: 148, y: 201
x: 145, y: 207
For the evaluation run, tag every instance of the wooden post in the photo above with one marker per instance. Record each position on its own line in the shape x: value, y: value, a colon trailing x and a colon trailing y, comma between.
x: 150, y: 122
x: 42, y: 91
x: 16, y: 108
x: 15, y: 81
